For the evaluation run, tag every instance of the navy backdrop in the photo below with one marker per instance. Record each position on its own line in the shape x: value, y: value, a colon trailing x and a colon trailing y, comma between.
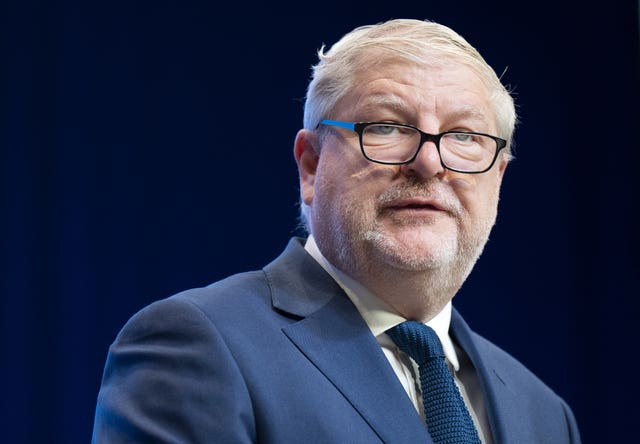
x: 146, y: 147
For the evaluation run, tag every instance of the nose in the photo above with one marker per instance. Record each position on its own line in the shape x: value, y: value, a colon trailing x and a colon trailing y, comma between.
x: 426, y: 164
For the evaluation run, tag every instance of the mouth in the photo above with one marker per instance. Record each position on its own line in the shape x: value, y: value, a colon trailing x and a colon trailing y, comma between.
x: 416, y: 206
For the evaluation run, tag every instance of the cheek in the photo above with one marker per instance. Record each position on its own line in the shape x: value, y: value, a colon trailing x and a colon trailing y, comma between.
x: 329, y: 184
x: 461, y: 182
x: 352, y: 178
x: 478, y: 195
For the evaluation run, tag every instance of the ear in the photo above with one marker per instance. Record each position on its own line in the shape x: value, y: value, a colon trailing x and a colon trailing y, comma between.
x: 306, y: 150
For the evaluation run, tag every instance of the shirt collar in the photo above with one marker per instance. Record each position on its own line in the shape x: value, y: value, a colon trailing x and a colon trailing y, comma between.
x: 377, y: 314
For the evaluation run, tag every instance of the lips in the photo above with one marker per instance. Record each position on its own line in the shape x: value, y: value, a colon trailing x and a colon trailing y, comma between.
x: 419, y: 200
x: 415, y: 204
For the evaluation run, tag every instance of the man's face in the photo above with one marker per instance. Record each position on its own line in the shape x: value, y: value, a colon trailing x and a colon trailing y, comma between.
x: 370, y: 218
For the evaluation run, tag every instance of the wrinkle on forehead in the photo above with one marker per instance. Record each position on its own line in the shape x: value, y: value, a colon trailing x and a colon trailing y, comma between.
x: 374, y: 103
x: 453, y: 94
x: 386, y: 100
x: 379, y: 103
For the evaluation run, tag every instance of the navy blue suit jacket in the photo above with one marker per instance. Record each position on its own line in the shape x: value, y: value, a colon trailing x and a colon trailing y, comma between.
x: 281, y: 355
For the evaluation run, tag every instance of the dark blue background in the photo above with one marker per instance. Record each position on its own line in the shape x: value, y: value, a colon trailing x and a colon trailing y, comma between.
x: 146, y: 147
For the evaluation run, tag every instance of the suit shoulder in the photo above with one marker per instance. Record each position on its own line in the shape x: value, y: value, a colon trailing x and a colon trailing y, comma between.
x: 251, y: 284
x: 225, y: 298
x: 247, y: 290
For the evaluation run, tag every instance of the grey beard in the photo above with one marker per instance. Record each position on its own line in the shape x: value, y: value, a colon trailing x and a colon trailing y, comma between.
x: 360, y: 248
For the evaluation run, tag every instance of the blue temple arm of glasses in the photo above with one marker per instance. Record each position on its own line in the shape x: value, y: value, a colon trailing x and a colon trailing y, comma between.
x: 348, y: 125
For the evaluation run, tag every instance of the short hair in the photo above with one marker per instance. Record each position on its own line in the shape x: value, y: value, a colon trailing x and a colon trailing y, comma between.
x: 420, y: 42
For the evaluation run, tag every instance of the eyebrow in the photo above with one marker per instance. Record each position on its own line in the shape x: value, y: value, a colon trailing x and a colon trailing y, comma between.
x: 386, y: 101
x: 468, y: 112
x: 393, y: 103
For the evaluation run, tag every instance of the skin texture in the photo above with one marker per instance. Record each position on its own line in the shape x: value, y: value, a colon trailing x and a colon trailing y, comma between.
x: 409, y: 233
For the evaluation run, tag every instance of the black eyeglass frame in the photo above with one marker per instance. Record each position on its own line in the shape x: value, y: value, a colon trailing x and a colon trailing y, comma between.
x: 359, y: 128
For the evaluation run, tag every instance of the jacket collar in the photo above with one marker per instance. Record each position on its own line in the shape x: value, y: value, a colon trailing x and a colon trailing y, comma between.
x: 334, y: 337
x: 299, y: 285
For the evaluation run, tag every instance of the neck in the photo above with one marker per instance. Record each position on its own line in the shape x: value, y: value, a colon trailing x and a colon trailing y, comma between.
x: 415, y: 295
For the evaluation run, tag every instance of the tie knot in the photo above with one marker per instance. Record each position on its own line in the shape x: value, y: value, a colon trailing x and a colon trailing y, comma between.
x: 417, y: 340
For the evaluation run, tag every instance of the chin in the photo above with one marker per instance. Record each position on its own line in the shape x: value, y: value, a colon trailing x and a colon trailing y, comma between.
x: 413, y: 253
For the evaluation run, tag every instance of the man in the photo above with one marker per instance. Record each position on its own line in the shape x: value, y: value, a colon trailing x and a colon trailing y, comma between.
x: 405, y: 143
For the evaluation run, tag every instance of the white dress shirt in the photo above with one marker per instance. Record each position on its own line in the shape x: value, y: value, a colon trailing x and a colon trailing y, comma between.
x: 379, y: 317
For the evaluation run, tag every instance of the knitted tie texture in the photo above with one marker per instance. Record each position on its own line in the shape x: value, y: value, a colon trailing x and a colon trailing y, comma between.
x: 448, y: 419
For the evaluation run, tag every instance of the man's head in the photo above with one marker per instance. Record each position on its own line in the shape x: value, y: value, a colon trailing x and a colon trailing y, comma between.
x: 414, y: 41
x: 416, y: 227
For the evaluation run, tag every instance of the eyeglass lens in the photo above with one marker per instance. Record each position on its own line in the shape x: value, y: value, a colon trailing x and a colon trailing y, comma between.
x: 396, y: 144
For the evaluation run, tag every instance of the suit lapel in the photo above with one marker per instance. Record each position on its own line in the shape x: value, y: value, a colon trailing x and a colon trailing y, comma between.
x: 338, y: 342
x: 334, y: 337
x: 500, y: 400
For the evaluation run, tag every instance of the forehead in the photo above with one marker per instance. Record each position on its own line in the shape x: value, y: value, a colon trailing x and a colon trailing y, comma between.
x: 405, y: 87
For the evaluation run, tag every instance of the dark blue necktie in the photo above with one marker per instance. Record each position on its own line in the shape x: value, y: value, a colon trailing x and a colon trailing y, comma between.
x: 448, y: 419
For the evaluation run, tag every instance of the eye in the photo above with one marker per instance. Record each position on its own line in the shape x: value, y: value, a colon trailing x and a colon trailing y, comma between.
x: 462, y: 137
x: 382, y: 130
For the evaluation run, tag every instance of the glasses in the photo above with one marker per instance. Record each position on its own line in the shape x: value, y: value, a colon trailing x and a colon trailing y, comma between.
x: 397, y: 144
